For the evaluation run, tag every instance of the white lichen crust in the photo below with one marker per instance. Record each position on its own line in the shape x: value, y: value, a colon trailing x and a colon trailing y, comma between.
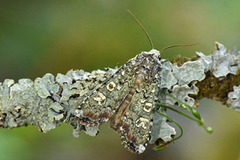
x: 180, y: 81
x: 234, y: 98
x: 47, y: 101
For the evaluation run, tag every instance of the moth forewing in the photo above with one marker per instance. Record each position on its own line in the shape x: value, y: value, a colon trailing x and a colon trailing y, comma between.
x: 135, y: 125
x: 99, y: 106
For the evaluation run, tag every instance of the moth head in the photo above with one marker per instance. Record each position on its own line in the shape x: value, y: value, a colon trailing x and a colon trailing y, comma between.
x: 153, y: 52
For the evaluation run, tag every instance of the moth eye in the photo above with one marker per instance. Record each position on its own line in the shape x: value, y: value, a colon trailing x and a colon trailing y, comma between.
x: 111, y: 86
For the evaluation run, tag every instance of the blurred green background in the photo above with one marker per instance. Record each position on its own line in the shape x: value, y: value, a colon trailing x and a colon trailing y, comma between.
x: 55, y: 36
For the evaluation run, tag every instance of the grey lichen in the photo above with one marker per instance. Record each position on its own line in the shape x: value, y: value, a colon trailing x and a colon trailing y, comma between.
x: 205, y: 60
x: 180, y: 81
x: 234, y: 98
x: 224, y: 62
x: 161, y: 129
x: 48, y: 101
x: 188, y: 72
x: 167, y: 78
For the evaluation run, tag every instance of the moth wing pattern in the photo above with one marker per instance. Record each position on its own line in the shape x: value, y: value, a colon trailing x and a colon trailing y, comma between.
x: 99, y: 106
x: 127, y: 97
x: 135, y: 126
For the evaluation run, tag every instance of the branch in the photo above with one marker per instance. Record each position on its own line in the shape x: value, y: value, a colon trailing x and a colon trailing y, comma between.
x: 215, y: 76
x: 49, y: 101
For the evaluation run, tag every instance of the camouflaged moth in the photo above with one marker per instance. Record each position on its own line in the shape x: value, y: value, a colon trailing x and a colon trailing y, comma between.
x: 127, y: 99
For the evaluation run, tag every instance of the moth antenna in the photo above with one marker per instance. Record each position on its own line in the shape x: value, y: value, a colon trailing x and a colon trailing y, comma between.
x: 144, y: 30
x: 178, y: 45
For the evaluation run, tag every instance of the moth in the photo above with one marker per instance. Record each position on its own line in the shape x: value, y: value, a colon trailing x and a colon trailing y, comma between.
x: 127, y: 99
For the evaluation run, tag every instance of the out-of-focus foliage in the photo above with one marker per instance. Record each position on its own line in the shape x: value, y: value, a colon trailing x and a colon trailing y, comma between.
x: 37, y: 37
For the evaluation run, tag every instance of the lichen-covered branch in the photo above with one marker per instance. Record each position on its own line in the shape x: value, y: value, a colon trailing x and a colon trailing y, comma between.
x: 221, y: 72
x: 49, y: 101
